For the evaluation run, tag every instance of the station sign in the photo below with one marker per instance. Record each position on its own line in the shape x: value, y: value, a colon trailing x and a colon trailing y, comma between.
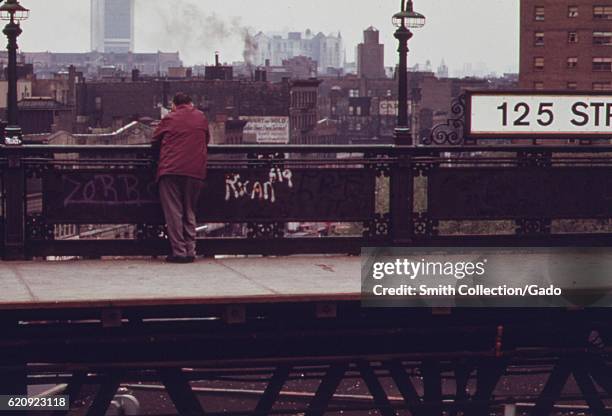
x: 538, y: 114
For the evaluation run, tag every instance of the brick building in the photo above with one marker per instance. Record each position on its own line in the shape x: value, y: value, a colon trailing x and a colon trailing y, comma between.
x: 61, y: 87
x: 114, y: 104
x: 371, y: 55
x: 566, y: 44
x: 44, y: 114
x: 365, y: 109
x: 303, y: 111
x: 301, y: 67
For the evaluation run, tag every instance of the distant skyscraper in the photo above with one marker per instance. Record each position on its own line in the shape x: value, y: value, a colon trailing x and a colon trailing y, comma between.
x: 112, y: 25
x: 326, y: 50
x: 442, y: 70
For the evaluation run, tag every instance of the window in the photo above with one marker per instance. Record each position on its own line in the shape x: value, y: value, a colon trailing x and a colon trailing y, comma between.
x: 358, y: 127
x: 571, y: 85
x: 351, y: 110
x: 572, y: 37
x: 539, y: 13
x: 572, y: 12
x: 602, y: 38
x: 538, y: 63
x: 602, y: 86
x: 602, y: 64
x: 353, y: 93
x: 358, y: 111
x: 538, y: 85
x: 539, y: 39
x: 602, y: 12
x: 572, y: 62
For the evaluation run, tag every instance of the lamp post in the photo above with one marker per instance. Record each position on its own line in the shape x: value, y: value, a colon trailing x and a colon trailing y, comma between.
x: 12, y: 12
x: 405, y: 20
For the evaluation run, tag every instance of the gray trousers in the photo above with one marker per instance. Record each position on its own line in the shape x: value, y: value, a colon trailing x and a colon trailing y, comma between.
x: 179, y: 198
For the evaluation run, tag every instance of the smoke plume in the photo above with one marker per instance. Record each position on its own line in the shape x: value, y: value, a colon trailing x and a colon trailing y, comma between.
x: 186, y: 26
x: 250, y: 48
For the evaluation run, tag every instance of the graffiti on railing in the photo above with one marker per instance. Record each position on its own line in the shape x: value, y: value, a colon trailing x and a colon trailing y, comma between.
x: 107, y: 189
x: 128, y: 196
x: 291, y: 194
x: 236, y: 187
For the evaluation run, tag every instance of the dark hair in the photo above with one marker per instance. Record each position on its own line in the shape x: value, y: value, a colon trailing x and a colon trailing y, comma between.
x: 181, y: 99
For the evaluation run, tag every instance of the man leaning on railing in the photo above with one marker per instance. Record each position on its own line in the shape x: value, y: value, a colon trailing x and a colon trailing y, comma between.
x: 182, y: 138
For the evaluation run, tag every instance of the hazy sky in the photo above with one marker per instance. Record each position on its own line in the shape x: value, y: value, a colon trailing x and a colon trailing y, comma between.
x: 460, y: 31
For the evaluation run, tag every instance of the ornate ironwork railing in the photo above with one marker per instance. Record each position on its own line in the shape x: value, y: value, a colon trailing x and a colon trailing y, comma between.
x: 452, y: 132
x: 102, y: 200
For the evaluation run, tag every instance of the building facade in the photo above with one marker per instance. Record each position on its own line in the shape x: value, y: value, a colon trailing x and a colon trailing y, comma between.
x: 566, y: 45
x: 371, y: 55
x: 364, y: 110
x: 303, y: 111
x: 112, y: 26
x: 115, y: 104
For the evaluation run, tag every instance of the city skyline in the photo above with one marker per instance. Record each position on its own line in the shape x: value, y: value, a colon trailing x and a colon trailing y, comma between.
x: 446, y: 36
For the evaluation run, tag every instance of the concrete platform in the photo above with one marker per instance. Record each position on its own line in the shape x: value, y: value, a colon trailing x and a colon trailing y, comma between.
x: 116, y: 283
x: 39, y: 285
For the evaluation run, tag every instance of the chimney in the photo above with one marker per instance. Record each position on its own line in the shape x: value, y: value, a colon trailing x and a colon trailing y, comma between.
x: 72, y: 79
x: 261, y: 75
x: 217, y: 59
x: 267, y: 63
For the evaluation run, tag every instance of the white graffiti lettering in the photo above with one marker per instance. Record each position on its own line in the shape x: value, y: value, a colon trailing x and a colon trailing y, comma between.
x: 235, y: 188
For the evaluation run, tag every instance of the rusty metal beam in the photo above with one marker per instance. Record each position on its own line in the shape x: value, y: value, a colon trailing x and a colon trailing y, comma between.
x: 272, y: 392
x: 405, y: 386
x: 73, y: 391
x: 552, y: 390
x: 432, y: 388
x: 179, y: 390
x: 381, y: 400
x: 13, y: 370
x: 488, y: 375
x: 591, y: 395
x: 332, y: 379
x: 462, y: 377
x: 105, y: 395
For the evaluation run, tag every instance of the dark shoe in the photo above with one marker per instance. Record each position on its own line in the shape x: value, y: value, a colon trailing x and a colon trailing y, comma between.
x: 179, y: 259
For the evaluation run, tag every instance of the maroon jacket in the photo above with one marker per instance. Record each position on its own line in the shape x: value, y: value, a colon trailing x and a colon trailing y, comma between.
x: 184, y: 136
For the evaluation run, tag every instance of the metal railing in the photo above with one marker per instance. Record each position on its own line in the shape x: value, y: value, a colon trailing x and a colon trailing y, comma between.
x: 358, y: 195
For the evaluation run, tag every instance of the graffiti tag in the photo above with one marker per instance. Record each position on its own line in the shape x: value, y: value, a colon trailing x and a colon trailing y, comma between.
x: 236, y: 188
